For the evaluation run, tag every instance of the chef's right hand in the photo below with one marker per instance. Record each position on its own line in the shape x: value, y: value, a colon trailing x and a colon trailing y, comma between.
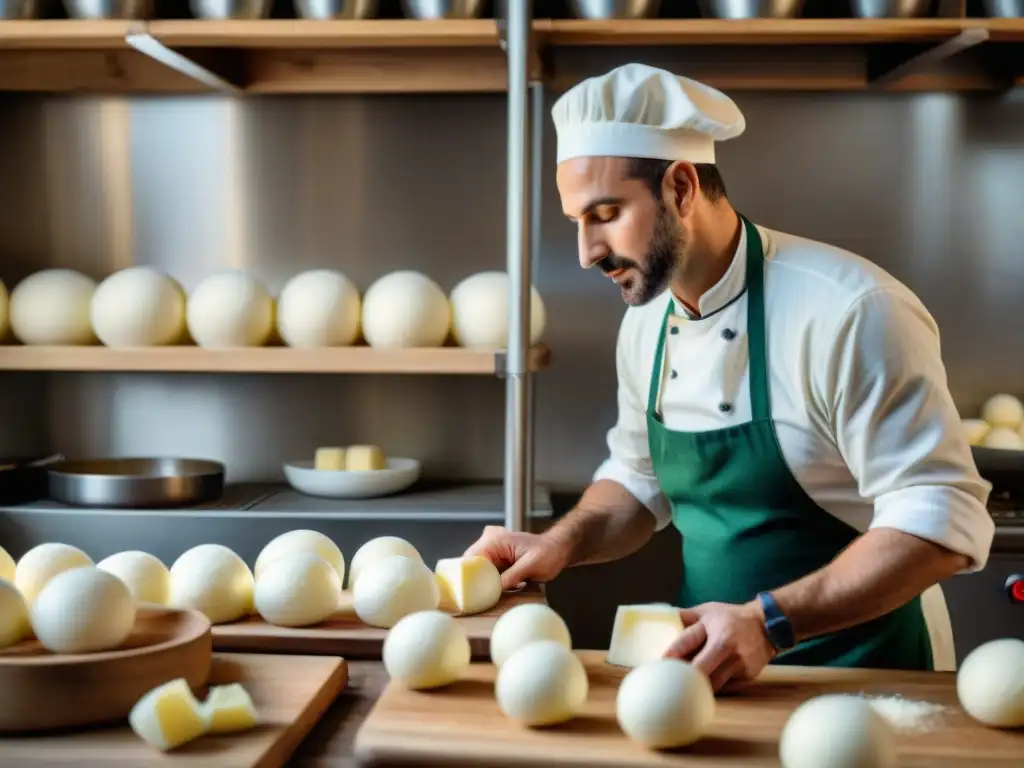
x: 520, y: 556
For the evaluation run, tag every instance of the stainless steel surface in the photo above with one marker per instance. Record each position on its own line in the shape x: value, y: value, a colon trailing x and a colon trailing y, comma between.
x: 336, y: 9
x: 538, y: 119
x: 1004, y: 9
x: 19, y: 9
x: 750, y: 9
x: 230, y: 9
x: 614, y: 9
x: 109, y: 9
x: 135, y: 483
x: 443, y: 9
x: 889, y: 9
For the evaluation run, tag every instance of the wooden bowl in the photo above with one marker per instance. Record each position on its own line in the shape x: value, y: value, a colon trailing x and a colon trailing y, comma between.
x: 40, y: 690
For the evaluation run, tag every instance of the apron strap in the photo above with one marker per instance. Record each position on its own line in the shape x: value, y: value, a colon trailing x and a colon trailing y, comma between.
x: 659, y: 356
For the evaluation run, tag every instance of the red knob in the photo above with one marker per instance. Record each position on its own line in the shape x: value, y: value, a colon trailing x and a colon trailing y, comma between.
x: 1015, y: 588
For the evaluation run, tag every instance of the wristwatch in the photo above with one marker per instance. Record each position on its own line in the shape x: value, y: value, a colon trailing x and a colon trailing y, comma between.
x: 776, y: 624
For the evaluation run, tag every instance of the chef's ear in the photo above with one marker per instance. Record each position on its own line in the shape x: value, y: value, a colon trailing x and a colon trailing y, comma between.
x: 681, y: 187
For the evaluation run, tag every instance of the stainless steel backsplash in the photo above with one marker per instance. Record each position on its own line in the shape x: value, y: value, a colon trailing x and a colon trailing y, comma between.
x: 929, y: 186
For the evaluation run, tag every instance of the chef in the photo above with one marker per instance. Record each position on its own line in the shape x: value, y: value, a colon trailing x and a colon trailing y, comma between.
x: 781, y: 402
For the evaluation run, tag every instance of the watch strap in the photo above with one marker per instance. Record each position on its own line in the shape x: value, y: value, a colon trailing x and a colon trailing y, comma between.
x: 776, y: 623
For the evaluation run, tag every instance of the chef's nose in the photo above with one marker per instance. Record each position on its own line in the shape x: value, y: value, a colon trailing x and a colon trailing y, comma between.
x: 591, y: 249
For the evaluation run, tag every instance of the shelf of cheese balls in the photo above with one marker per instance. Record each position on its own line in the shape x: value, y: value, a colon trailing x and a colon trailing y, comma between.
x: 1000, y: 426
x: 141, y: 319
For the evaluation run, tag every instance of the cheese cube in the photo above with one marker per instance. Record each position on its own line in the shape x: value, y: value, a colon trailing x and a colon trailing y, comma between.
x: 468, y: 584
x: 330, y: 459
x: 365, y: 458
x: 168, y: 716
x: 643, y: 633
x: 228, y: 708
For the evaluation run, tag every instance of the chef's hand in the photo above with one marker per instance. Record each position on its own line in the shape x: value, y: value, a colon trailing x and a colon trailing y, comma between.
x: 726, y: 642
x: 520, y: 556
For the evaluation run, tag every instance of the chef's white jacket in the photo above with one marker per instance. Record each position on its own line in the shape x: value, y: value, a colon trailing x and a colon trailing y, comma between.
x: 858, y: 393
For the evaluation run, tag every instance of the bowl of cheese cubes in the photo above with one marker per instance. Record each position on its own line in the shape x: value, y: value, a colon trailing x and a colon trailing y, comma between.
x: 352, y: 472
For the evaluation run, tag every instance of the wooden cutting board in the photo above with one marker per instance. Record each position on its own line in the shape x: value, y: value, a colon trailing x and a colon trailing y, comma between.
x: 345, y: 635
x: 462, y: 725
x: 291, y: 693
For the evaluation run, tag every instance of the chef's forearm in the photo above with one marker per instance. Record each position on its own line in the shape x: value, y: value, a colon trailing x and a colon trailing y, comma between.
x: 879, y: 572
x: 607, y: 524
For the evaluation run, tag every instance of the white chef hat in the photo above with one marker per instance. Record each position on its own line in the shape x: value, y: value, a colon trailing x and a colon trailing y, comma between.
x: 641, y: 111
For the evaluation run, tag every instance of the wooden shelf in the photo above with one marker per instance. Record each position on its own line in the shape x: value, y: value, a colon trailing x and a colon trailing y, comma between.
x: 444, y: 360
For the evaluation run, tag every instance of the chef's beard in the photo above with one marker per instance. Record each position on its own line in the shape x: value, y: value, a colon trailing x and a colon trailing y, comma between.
x: 648, y: 281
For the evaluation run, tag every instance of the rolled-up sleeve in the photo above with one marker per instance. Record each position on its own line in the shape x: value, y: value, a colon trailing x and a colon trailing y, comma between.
x: 895, y: 423
x: 629, y: 461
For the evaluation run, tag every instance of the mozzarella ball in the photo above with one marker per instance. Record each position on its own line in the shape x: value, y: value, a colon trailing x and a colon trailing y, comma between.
x: 14, y: 624
x: 42, y: 563
x: 1003, y: 437
x: 230, y: 309
x: 138, y: 307
x: 52, y: 308
x: 301, y: 540
x: 378, y: 549
x: 4, y: 299
x: 83, y: 610
x: 480, y: 309
x: 525, y: 624
x: 1003, y: 411
x: 214, y: 580
x: 319, y: 308
x: 146, y: 577
x: 990, y: 683
x: 975, y: 430
x: 6, y: 566
x: 837, y: 731
x: 297, y: 590
x: 390, y: 589
x: 543, y: 683
x: 664, y: 704
x: 427, y: 649
x: 405, y: 309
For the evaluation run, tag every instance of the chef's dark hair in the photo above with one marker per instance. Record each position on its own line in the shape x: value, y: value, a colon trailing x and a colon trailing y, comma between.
x: 651, y: 172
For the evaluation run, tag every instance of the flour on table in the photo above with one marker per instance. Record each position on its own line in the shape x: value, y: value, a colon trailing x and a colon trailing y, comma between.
x: 907, y: 715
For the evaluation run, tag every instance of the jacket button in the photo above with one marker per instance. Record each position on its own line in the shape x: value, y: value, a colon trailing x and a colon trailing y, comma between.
x: 728, y: 334
x: 673, y: 374
x: 674, y: 330
x: 724, y: 407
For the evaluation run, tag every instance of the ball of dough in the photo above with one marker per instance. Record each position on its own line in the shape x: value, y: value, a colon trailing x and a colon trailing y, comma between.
x: 42, y: 563
x: 543, y: 683
x: 83, y: 610
x: 52, y: 308
x: 146, y: 577
x: 378, y: 549
x: 990, y: 683
x: 427, y: 649
x: 213, y: 580
x: 391, y: 588
x: 4, y: 298
x: 664, y: 704
x: 525, y: 624
x: 301, y: 540
x: 14, y: 625
x: 319, y: 308
x: 1003, y: 411
x: 297, y: 590
x: 1003, y: 437
x: 138, y: 307
x: 975, y: 430
x: 480, y: 308
x: 230, y: 309
x: 837, y: 731
x: 405, y: 309
x: 6, y: 566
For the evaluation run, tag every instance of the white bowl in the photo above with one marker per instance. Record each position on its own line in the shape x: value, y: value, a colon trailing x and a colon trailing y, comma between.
x: 334, y: 484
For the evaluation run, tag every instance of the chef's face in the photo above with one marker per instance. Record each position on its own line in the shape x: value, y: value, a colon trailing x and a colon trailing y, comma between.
x: 623, y: 229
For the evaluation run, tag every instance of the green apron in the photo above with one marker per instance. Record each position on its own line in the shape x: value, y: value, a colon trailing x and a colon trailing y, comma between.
x: 746, y: 523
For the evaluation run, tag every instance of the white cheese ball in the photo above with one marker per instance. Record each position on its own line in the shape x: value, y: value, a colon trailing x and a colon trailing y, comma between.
x: 1003, y: 411
x: 83, y: 610
x: 390, y: 589
x: 975, y: 430
x: 146, y: 577
x: 990, y: 683
x: 525, y: 624
x: 664, y: 704
x: 378, y: 549
x: 14, y: 624
x: 319, y: 308
x: 480, y: 310
x: 837, y: 731
x: 405, y: 309
x: 230, y: 309
x: 543, y: 683
x: 52, y: 308
x: 297, y: 590
x: 427, y: 649
x: 212, y: 579
x: 1004, y: 438
x: 7, y: 566
x: 42, y: 563
x: 301, y: 540
x: 4, y: 299
x: 138, y: 307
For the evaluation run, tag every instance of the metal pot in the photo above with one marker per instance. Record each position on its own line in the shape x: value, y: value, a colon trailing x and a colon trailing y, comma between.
x: 1004, y: 9
x: 615, y: 9
x: 889, y: 9
x: 751, y: 9
x: 19, y: 9
x: 230, y: 9
x: 136, y: 483
x: 109, y: 9
x: 443, y: 9
x: 336, y: 9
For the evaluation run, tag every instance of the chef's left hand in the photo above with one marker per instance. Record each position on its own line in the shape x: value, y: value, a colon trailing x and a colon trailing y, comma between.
x: 726, y: 642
